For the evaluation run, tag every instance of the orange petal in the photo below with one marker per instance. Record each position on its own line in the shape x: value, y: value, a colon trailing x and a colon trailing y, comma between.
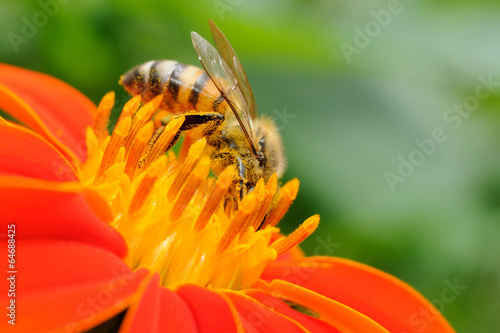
x: 45, y: 209
x: 25, y: 153
x: 256, y: 317
x: 310, y: 323
x: 380, y: 296
x: 159, y: 310
x: 211, y: 311
x: 66, y: 286
x: 49, y: 106
x: 338, y: 315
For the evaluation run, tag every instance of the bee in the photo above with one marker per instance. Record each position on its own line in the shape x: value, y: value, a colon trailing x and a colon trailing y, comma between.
x: 220, y: 105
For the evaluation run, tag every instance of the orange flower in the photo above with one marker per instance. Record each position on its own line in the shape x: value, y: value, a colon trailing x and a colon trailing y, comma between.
x: 110, y: 228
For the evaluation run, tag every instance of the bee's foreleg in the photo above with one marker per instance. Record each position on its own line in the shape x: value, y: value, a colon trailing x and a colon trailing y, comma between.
x: 240, y: 166
x: 225, y: 158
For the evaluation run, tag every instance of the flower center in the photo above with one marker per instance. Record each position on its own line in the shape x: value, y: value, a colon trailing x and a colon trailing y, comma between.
x: 176, y: 218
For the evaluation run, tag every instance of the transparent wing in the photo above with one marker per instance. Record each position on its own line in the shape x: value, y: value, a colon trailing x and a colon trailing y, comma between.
x: 232, y: 60
x: 224, y: 79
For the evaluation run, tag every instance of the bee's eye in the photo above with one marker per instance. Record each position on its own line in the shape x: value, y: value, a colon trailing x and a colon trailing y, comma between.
x: 262, y: 144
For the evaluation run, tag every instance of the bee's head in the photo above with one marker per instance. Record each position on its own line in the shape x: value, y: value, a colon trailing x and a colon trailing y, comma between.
x: 271, y: 154
x: 261, y: 157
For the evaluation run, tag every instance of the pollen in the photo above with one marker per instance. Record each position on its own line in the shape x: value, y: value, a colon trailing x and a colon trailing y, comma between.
x: 137, y: 149
x: 176, y: 217
x: 145, y: 187
x: 214, y: 199
x: 144, y: 114
x: 187, y: 167
x: 193, y: 183
x: 285, y: 198
x: 305, y: 230
x: 103, y: 113
x: 131, y: 107
x: 115, y: 143
x: 161, y: 141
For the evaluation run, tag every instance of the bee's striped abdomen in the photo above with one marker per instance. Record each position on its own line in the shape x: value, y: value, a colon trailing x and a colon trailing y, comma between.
x: 185, y: 87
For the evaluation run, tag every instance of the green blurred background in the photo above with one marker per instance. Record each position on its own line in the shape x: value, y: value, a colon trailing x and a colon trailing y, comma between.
x: 346, y: 121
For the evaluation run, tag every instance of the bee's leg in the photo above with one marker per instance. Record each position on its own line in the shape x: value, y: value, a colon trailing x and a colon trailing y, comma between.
x: 238, y: 189
x: 240, y: 166
x: 262, y: 222
x: 174, y: 141
x: 211, y: 121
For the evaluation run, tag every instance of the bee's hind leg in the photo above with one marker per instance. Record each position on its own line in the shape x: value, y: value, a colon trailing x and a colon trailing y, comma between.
x: 210, y: 120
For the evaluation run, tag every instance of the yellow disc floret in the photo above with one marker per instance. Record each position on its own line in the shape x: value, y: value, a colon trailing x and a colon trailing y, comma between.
x: 172, y: 214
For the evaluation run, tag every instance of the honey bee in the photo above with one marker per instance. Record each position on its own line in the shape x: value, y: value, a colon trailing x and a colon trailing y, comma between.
x: 237, y: 137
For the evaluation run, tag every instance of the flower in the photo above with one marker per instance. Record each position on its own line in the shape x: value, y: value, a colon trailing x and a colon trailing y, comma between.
x: 110, y: 228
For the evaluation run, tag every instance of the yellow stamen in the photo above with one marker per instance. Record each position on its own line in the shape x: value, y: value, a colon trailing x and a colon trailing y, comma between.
x: 178, y: 221
x: 287, y: 194
x: 302, y: 232
x: 145, y: 187
x: 158, y: 147
x: 271, y: 188
x: 261, y: 193
x: 194, y: 181
x: 142, y: 116
x: 187, y: 166
x: 137, y: 149
x: 186, y: 145
x: 159, y: 116
x: 214, y: 200
x: 151, y: 143
x: 103, y: 112
x: 130, y: 108
x: 117, y: 140
x: 120, y: 157
x: 241, y: 219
